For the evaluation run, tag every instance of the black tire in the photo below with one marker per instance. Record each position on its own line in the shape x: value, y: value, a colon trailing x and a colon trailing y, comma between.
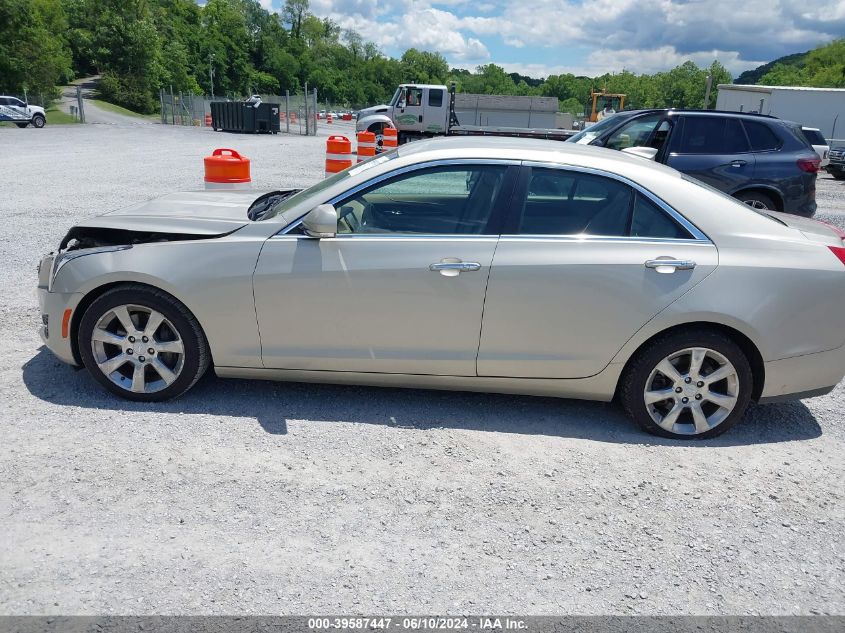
x: 639, y: 370
x: 378, y: 130
x: 839, y: 175
x: 22, y: 124
x: 757, y: 200
x: 196, y: 352
x: 39, y: 121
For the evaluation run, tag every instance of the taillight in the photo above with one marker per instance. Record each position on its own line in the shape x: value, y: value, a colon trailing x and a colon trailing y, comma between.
x: 839, y: 251
x: 810, y: 165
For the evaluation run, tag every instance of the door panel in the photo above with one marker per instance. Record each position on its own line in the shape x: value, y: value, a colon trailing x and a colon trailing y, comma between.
x: 371, y: 304
x: 563, y: 307
x: 712, y: 149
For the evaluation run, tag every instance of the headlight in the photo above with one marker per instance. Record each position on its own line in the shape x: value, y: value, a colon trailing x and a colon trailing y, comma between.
x: 67, y: 256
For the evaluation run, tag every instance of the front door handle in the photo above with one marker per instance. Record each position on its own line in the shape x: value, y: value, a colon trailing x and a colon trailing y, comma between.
x: 454, y: 268
x: 738, y: 163
x: 667, y: 265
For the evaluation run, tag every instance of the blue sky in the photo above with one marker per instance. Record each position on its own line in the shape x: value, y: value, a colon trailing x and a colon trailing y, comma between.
x: 543, y: 37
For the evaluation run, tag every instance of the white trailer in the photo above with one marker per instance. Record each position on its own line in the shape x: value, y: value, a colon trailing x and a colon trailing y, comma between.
x: 822, y: 108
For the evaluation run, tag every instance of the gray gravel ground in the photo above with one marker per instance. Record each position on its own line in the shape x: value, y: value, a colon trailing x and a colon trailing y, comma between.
x: 294, y: 499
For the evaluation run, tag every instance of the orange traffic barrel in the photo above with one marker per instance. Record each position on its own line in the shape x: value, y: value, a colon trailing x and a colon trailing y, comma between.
x: 207, y: 120
x: 390, y: 139
x: 329, y: 117
x: 293, y: 117
x: 366, y: 146
x: 281, y: 116
x: 338, y: 154
x: 226, y: 169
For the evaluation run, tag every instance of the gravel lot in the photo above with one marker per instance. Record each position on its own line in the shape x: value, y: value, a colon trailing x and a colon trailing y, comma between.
x: 294, y: 499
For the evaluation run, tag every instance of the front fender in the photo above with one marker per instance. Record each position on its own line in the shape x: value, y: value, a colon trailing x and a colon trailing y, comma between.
x: 363, y: 125
x: 212, y: 278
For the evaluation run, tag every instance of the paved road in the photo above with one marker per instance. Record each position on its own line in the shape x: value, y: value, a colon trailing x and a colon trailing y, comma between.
x: 93, y: 113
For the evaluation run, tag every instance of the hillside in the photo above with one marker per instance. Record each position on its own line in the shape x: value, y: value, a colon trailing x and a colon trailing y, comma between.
x: 753, y: 76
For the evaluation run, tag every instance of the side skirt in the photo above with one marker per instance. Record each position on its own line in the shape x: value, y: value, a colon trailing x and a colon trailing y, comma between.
x: 600, y: 387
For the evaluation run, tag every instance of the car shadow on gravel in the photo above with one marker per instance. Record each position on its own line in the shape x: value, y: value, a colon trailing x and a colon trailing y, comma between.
x: 272, y: 404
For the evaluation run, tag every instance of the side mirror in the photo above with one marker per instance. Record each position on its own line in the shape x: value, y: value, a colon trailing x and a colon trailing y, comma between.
x: 321, y: 221
x: 401, y: 104
x: 643, y: 152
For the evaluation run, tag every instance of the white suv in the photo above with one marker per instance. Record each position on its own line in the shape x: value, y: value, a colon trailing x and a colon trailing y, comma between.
x: 20, y: 113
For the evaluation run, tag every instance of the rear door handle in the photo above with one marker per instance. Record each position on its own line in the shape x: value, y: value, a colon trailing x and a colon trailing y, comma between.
x: 738, y: 163
x: 670, y: 265
x: 451, y: 269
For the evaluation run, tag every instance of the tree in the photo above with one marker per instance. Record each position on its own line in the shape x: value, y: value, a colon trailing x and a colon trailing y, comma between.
x: 294, y: 13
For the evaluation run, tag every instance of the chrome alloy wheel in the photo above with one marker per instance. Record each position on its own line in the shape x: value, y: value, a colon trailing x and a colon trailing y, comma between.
x: 757, y: 204
x: 138, y: 349
x: 691, y: 391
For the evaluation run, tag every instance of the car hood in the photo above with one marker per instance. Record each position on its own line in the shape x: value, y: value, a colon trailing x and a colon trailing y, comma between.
x: 209, y: 212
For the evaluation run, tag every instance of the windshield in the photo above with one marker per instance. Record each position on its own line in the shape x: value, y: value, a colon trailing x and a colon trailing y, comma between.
x: 588, y: 134
x: 395, y: 98
x: 288, y: 202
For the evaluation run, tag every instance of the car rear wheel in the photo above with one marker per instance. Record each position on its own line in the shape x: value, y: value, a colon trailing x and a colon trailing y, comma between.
x: 757, y: 200
x: 692, y: 384
x: 22, y: 124
x: 142, y: 344
x: 38, y: 121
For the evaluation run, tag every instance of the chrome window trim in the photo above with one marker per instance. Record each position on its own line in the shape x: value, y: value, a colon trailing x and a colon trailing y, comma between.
x: 698, y: 235
x: 603, y: 238
x: 403, y: 170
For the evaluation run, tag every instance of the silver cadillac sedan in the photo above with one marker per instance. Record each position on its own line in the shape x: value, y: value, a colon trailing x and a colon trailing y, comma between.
x: 486, y: 264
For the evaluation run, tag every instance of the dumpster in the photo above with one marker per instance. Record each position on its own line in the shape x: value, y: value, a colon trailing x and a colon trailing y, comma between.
x: 240, y: 116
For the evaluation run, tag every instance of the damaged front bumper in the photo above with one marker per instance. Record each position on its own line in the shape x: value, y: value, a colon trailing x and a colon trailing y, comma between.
x: 57, y: 312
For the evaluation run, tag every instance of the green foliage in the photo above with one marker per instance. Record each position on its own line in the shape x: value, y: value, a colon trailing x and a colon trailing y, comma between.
x: 142, y: 46
x: 823, y: 67
x: 33, y: 56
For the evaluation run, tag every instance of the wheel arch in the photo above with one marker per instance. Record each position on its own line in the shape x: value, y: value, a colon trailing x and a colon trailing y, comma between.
x: 98, y: 291
x: 766, y: 190
x: 748, y: 347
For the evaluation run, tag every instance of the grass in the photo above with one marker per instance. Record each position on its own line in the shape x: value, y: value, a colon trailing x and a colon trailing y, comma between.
x: 105, y: 105
x: 57, y: 117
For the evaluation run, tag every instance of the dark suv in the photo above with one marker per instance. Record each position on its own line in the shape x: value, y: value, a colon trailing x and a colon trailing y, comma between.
x: 836, y: 166
x: 764, y: 161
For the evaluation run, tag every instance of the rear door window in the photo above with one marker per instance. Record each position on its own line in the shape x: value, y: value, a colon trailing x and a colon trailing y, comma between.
x: 435, y: 98
x: 711, y: 135
x: 762, y: 137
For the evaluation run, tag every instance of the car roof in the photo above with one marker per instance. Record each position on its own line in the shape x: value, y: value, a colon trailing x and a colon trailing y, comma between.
x: 530, y: 149
x: 676, y: 111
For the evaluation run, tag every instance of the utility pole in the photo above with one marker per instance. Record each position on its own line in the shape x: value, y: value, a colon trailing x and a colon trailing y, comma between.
x: 707, y: 87
x: 211, y: 72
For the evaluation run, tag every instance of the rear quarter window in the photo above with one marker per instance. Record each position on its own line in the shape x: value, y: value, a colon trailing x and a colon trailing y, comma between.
x: 762, y: 137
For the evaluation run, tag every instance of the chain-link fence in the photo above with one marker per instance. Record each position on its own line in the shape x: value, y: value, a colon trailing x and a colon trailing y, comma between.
x: 297, y: 112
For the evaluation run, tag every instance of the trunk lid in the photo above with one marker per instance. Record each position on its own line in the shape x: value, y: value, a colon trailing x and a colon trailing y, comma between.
x: 813, y: 230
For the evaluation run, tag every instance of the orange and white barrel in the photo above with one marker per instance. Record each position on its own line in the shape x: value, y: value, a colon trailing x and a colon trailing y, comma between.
x: 207, y: 120
x: 329, y: 117
x: 281, y: 116
x: 226, y: 169
x: 293, y: 117
x: 366, y: 146
x: 390, y: 139
x: 338, y: 154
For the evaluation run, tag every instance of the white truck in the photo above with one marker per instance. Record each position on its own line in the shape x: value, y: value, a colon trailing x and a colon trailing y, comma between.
x: 20, y: 113
x: 426, y: 110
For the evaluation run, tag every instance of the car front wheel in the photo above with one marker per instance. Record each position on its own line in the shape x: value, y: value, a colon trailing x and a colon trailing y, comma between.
x: 693, y: 384
x: 38, y: 121
x: 142, y: 344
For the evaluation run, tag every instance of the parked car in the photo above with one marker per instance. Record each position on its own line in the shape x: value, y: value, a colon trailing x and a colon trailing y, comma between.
x: 819, y: 144
x: 21, y: 113
x: 474, y: 263
x: 321, y: 114
x: 836, y: 166
x: 760, y: 160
